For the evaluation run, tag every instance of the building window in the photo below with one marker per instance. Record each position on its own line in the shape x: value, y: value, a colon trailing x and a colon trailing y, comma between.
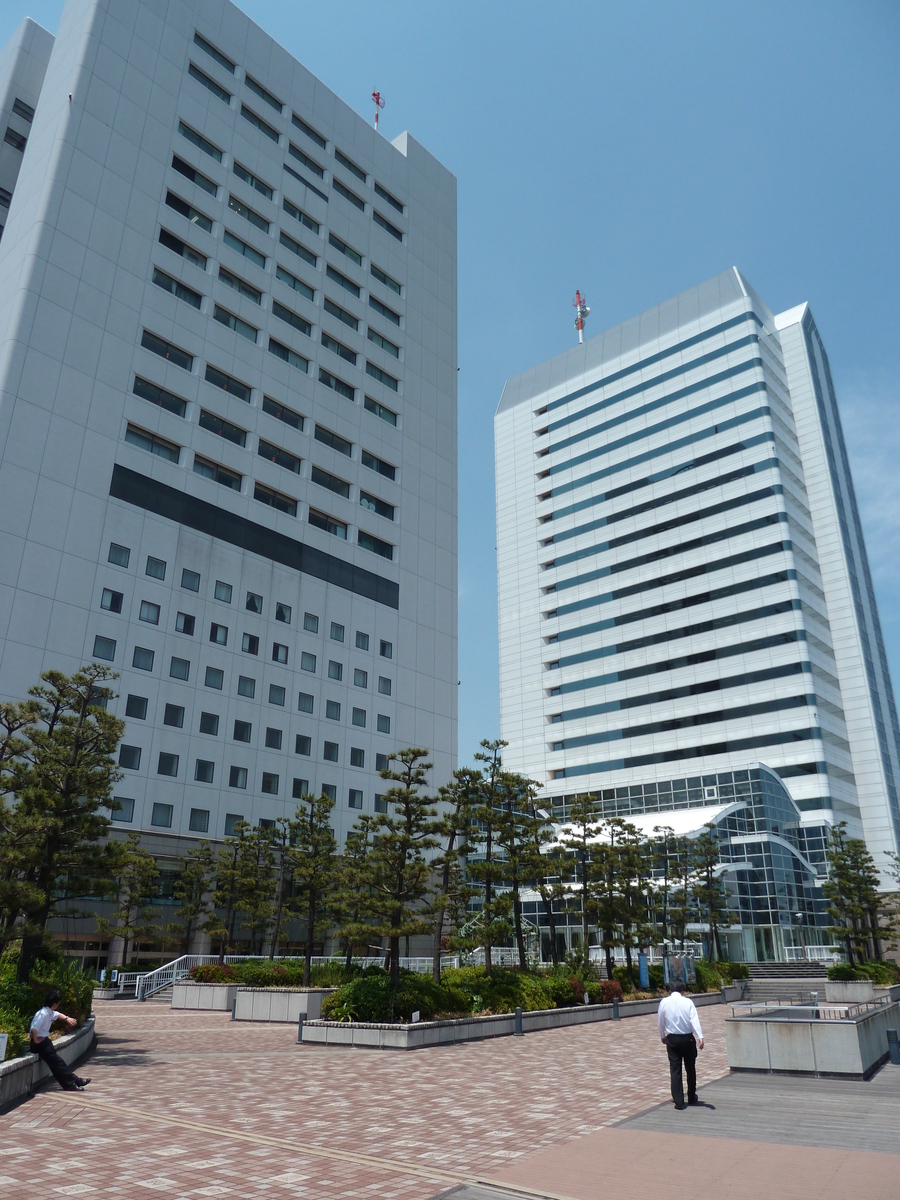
x: 379, y: 410
x: 16, y: 140
x: 357, y: 757
x: 382, y: 342
x: 136, y: 707
x: 162, y: 815
x: 177, y: 289
x: 250, y: 643
x: 155, y: 568
x: 209, y: 84
x: 149, y: 612
x: 307, y: 661
x: 199, y: 822
x: 302, y: 745
x: 281, y: 413
x: 347, y: 194
x: 215, y: 678
x: 111, y: 601
x: 383, y: 724
x: 362, y: 641
x: 167, y: 764
x: 130, y: 757
x: 283, y: 612
x: 310, y: 623
x: 327, y: 438
x: 333, y: 710
x: 244, y: 250
x: 376, y: 545
x: 217, y: 473
x: 383, y: 277
x: 222, y: 428
x: 104, y: 648
x: 378, y: 464
x: 269, y: 784
x: 190, y: 580
x: 174, y: 715
x: 335, y: 670
x: 23, y: 110
x: 355, y: 798
x: 334, y: 484
x: 142, y: 659
x: 330, y: 752
x: 295, y: 248
x: 384, y: 685
x: 276, y: 500
x: 279, y: 456
x: 286, y: 354
x: 380, y: 804
x: 342, y: 315
x: 246, y: 686
x: 242, y: 731
x: 235, y: 323
x: 386, y: 649
x: 253, y: 180
x: 346, y: 250
x: 204, y: 770
x: 254, y: 603
x: 237, y: 778
x: 232, y: 820
x: 216, y: 55
x: 373, y: 504
x: 209, y: 723
x: 119, y: 556
x: 218, y: 634
x: 296, y: 285
x: 152, y: 443
x: 291, y: 318
x: 198, y: 140
x: 273, y: 738
x: 384, y: 311
x: 359, y: 717
x: 124, y: 810
x: 143, y: 387
x: 386, y: 225
x: 360, y: 677
x: 223, y: 591
x: 304, y: 702
x: 329, y: 790
x: 279, y: 653
x: 381, y: 762
x: 156, y: 345
x: 276, y: 694
x: 322, y: 520
x: 227, y: 383
x: 184, y: 623
x: 179, y: 668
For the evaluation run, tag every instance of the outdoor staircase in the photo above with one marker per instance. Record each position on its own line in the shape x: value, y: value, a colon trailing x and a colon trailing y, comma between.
x: 785, y: 981
x: 163, y: 996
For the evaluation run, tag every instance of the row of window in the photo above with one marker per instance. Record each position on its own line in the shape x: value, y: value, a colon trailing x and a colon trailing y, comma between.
x: 168, y: 763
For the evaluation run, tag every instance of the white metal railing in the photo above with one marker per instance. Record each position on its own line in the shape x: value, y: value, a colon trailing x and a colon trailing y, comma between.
x: 811, y: 954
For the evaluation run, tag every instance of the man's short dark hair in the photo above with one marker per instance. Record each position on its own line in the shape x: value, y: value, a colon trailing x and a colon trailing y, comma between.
x: 676, y: 986
x: 53, y: 997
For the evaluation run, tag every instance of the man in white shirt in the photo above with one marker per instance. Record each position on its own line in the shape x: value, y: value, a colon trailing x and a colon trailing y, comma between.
x: 678, y: 1023
x: 42, y: 1044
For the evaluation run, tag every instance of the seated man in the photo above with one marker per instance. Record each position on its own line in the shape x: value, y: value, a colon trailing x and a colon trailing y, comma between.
x: 42, y: 1044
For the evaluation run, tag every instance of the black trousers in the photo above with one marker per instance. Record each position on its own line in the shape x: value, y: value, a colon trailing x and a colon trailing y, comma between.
x: 681, y: 1048
x: 46, y: 1051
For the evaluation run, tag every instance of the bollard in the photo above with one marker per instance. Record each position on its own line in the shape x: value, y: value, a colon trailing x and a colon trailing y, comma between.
x: 615, y: 1008
x: 518, y: 1029
x: 300, y: 1031
x: 893, y: 1047
x: 724, y: 997
x: 814, y: 1001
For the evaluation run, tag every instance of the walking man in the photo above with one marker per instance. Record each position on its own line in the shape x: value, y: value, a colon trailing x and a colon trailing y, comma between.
x: 678, y: 1023
x: 42, y: 1044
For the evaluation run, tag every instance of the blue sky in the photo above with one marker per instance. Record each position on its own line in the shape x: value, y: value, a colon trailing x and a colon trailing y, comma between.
x: 633, y: 150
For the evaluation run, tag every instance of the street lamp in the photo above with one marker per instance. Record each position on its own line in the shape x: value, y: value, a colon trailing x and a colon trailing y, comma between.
x: 800, y: 918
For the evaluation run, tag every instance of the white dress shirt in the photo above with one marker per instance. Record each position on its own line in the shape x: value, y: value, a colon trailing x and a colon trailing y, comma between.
x: 41, y: 1022
x: 677, y: 1014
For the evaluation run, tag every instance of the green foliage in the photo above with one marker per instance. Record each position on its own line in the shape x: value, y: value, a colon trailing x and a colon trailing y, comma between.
x: 20, y: 1001
x: 262, y: 972
x: 883, y: 974
x: 371, y: 998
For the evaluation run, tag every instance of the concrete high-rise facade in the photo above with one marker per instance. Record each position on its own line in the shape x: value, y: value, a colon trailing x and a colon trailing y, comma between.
x: 227, y: 414
x: 683, y: 584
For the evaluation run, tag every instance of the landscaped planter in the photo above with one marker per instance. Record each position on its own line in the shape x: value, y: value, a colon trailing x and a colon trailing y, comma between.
x: 279, y: 1004
x: 105, y: 993
x: 846, y: 991
x: 20, y: 1076
x: 208, y: 996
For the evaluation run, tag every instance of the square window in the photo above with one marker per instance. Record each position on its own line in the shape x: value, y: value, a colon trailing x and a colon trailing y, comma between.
x: 362, y: 640
x: 218, y: 634
x: 209, y: 723
x: 232, y: 820
x: 174, y: 715
x: 380, y: 804
x: 357, y: 757
x: 283, y: 613
x: 330, y: 752
x: 337, y: 632
x: 162, y: 815
x: 254, y: 602
x: 383, y: 724
x: 384, y: 685
x: 242, y: 731
x: 204, y: 770
x: 279, y: 653
x: 300, y: 788
x: 142, y: 659
x: 329, y: 790
x: 190, y: 580
x: 237, y: 778
x: 360, y: 677
x: 381, y: 762
x: 136, y: 707
x: 267, y: 822
x: 250, y: 643
x: 167, y: 764
x: 269, y: 784
x: 355, y: 798
x: 111, y: 601
x: 199, y: 822
x: 304, y: 702
x: 104, y: 648
x: 332, y: 710
x: 223, y: 591
x: 273, y: 738
x: 155, y: 568
x: 310, y: 623
x: 125, y: 811
x: 246, y: 686
x: 276, y: 694
x: 149, y: 612
x: 214, y: 678
x: 307, y: 661
x: 119, y: 556
x: 184, y: 623
x: 386, y: 650
x: 130, y: 757
x: 359, y: 717
x: 335, y: 670
x: 302, y: 745
x: 179, y: 668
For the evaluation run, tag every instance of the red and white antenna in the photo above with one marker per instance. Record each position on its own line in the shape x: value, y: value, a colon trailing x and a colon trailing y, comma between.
x: 379, y: 103
x: 581, y: 314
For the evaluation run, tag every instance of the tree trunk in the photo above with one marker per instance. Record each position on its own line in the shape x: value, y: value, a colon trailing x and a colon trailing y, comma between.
x: 551, y: 921
x: 609, y: 958
x: 584, y: 908
x: 310, y: 935
x: 437, y: 933
x: 876, y: 940
x: 395, y: 962
x: 517, y: 922
x: 629, y: 964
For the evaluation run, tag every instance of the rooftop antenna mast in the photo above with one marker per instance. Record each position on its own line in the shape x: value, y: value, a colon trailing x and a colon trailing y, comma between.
x: 379, y: 103
x: 581, y: 314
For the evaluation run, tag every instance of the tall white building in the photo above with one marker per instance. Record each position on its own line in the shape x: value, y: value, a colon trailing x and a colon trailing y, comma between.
x: 227, y: 413
x: 683, y: 585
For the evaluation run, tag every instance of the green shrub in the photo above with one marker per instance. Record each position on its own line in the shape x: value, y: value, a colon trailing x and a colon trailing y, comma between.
x: 213, y: 973
x: 620, y: 975
x: 20, y: 1001
x: 880, y: 972
x: 610, y: 989
x: 369, y: 998
x: 16, y: 1026
x: 656, y: 975
x: 501, y: 991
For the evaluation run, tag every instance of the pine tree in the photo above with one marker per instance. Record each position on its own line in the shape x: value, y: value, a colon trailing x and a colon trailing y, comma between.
x: 191, y: 894
x: 637, y: 930
x: 351, y: 885
x: 547, y: 868
x: 453, y: 892
x: 313, y: 856
x: 134, y: 920
x: 710, y: 889
x: 256, y: 885
x: 487, y: 867
x: 664, y: 861
x: 229, y: 867
x: 580, y: 840
x: 852, y: 893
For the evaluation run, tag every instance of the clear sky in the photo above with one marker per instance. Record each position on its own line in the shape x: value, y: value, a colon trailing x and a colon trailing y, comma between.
x: 633, y: 149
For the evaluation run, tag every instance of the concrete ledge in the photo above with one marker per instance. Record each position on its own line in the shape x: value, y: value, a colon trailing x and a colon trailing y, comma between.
x: 20, y: 1076
x: 845, y: 991
x: 279, y: 1004
x: 218, y: 997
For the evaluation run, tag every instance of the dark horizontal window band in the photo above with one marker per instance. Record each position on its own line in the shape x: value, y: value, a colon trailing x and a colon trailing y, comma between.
x: 664, y: 526
x: 652, y: 405
x: 666, y: 377
x: 642, y: 435
x: 643, y: 363
x: 707, y: 539
x: 670, y: 606
x: 689, y: 721
x: 695, y: 489
x: 732, y: 747
x: 672, y: 635
x: 680, y: 693
x: 648, y: 585
x: 178, y: 506
x: 789, y: 637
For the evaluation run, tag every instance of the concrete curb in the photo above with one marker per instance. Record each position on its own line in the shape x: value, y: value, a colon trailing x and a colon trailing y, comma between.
x: 20, y: 1076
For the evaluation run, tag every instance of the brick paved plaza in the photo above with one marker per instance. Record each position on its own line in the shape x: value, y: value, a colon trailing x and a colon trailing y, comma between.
x: 188, y: 1104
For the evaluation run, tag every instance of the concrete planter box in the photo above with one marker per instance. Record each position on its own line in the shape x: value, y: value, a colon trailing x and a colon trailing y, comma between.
x: 105, y: 993
x: 279, y: 1004
x: 20, y: 1076
x: 853, y: 1046
x: 857, y: 991
x: 218, y: 997
x: 468, y: 1029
